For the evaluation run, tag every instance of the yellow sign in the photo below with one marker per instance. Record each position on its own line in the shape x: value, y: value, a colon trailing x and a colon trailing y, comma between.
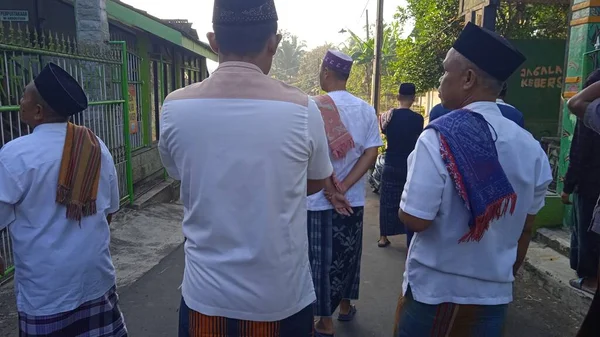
x: 132, y: 103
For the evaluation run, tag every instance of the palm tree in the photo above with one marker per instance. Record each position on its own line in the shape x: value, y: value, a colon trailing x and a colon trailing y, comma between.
x: 363, y: 52
x: 287, y: 61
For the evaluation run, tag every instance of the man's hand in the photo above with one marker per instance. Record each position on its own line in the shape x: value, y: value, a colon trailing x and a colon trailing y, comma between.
x: 565, y: 198
x: 340, y: 203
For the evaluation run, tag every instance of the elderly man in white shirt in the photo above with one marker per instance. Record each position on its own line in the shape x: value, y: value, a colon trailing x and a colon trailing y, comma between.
x: 58, y: 191
x: 476, y: 181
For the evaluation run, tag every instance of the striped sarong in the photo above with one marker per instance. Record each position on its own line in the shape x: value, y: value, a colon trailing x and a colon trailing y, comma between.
x: 448, y: 319
x: 98, y: 318
x: 335, y: 250
x: 298, y: 325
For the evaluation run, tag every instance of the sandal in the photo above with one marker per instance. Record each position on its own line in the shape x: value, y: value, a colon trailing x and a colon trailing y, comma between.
x: 349, y: 316
x: 578, y: 284
x: 383, y: 244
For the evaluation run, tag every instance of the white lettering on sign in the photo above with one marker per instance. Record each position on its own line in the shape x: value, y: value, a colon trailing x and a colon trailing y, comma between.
x: 14, y: 15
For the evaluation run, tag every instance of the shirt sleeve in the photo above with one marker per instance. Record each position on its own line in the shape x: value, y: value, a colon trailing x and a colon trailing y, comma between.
x: 373, y: 135
x: 426, y: 178
x: 543, y: 178
x: 591, y: 119
x: 166, y: 131
x: 319, y: 163
x: 10, y: 194
x: 115, y: 198
x: 574, y: 170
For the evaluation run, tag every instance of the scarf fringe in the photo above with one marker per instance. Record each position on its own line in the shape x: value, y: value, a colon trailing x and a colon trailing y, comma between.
x: 493, y: 212
x: 342, y: 149
x: 77, y: 211
x: 63, y: 195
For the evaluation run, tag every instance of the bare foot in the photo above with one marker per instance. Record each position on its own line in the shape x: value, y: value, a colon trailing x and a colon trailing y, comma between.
x: 345, y: 306
x: 325, y: 326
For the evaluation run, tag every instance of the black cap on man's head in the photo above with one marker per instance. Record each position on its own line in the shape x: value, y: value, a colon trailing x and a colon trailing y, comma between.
x: 244, y: 12
x: 407, y: 89
x: 489, y: 51
x: 60, y: 90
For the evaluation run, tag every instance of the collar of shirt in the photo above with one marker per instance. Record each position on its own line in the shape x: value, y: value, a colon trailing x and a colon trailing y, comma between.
x: 490, y: 108
x: 236, y: 66
x: 50, y: 127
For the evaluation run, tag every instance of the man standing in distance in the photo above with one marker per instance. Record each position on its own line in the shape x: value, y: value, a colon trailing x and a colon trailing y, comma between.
x: 335, y: 216
x: 476, y: 181
x: 247, y: 149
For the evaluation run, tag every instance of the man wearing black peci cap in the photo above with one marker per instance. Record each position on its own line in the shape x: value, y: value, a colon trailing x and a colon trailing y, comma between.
x: 58, y: 192
x: 402, y: 128
x: 247, y: 149
x: 476, y: 181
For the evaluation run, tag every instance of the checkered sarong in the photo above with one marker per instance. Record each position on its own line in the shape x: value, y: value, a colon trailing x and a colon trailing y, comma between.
x: 99, y: 318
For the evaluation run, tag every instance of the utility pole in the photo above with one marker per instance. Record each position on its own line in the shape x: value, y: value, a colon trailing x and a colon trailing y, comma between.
x: 377, y: 60
x: 368, y: 34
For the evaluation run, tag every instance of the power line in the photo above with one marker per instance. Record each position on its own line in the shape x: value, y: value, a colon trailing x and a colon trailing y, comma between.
x: 364, y: 9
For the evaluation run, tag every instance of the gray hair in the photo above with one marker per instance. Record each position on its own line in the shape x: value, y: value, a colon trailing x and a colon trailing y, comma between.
x: 491, y: 84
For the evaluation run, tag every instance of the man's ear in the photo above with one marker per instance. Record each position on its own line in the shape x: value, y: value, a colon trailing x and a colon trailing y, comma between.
x: 39, y: 113
x: 212, y: 41
x: 273, y: 44
x: 471, y: 79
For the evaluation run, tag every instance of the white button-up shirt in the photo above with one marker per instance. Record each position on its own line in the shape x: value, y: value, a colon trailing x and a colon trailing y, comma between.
x: 243, y: 146
x: 360, y: 120
x: 58, y: 264
x: 438, y: 268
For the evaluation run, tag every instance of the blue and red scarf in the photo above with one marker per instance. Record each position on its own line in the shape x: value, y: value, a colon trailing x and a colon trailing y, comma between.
x: 469, y: 152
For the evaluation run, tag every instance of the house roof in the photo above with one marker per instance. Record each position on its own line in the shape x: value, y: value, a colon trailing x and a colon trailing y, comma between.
x: 174, y: 31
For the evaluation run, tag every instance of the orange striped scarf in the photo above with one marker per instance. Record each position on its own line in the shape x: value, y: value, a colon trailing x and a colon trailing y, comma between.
x: 79, y: 175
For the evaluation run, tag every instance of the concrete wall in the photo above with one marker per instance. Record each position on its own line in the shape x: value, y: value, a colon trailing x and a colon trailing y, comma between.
x: 145, y: 163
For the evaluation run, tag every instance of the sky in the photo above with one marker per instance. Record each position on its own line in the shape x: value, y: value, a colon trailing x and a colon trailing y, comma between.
x: 314, y: 21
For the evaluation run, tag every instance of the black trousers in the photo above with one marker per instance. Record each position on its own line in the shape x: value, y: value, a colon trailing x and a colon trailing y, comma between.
x: 584, y: 244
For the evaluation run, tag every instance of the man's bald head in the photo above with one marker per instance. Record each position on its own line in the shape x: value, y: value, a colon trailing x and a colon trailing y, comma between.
x: 463, y: 82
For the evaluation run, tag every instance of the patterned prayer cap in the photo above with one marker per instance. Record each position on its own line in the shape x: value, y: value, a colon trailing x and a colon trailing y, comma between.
x: 60, y: 90
x: 244, y: 12
x: 489, y: 51
x: 338, y: 61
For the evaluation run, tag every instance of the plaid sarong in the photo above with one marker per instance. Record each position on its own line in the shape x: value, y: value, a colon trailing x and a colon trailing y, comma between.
x: 298, y: 325
x: 98, y: 318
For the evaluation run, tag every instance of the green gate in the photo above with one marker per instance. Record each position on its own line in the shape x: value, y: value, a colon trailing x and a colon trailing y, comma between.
x: 102, y: 74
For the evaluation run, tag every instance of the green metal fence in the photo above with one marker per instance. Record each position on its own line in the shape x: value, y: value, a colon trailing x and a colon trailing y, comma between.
x: 103, y: 73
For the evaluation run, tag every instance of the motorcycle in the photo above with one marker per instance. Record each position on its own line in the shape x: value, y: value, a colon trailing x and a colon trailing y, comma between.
x: 376, y: 173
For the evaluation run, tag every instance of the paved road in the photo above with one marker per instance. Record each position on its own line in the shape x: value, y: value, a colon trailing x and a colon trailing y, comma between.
x: 151, y: 303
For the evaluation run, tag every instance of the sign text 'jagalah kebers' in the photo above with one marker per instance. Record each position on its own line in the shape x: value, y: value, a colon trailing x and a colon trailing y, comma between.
x: 542, y: 77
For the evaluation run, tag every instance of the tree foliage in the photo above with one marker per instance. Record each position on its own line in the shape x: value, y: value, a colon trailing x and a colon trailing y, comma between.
x: 307, y: 78
x: 287, y: 60
x: 420, y: 56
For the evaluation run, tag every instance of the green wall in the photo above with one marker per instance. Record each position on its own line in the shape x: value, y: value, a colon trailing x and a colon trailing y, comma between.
x: 536, y: 88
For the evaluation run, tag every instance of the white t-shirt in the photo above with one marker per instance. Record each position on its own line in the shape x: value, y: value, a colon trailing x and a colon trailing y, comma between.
x: 438, y: 268
x: 59, y: 263
x: 243, y: 146
x: 361, y: 122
